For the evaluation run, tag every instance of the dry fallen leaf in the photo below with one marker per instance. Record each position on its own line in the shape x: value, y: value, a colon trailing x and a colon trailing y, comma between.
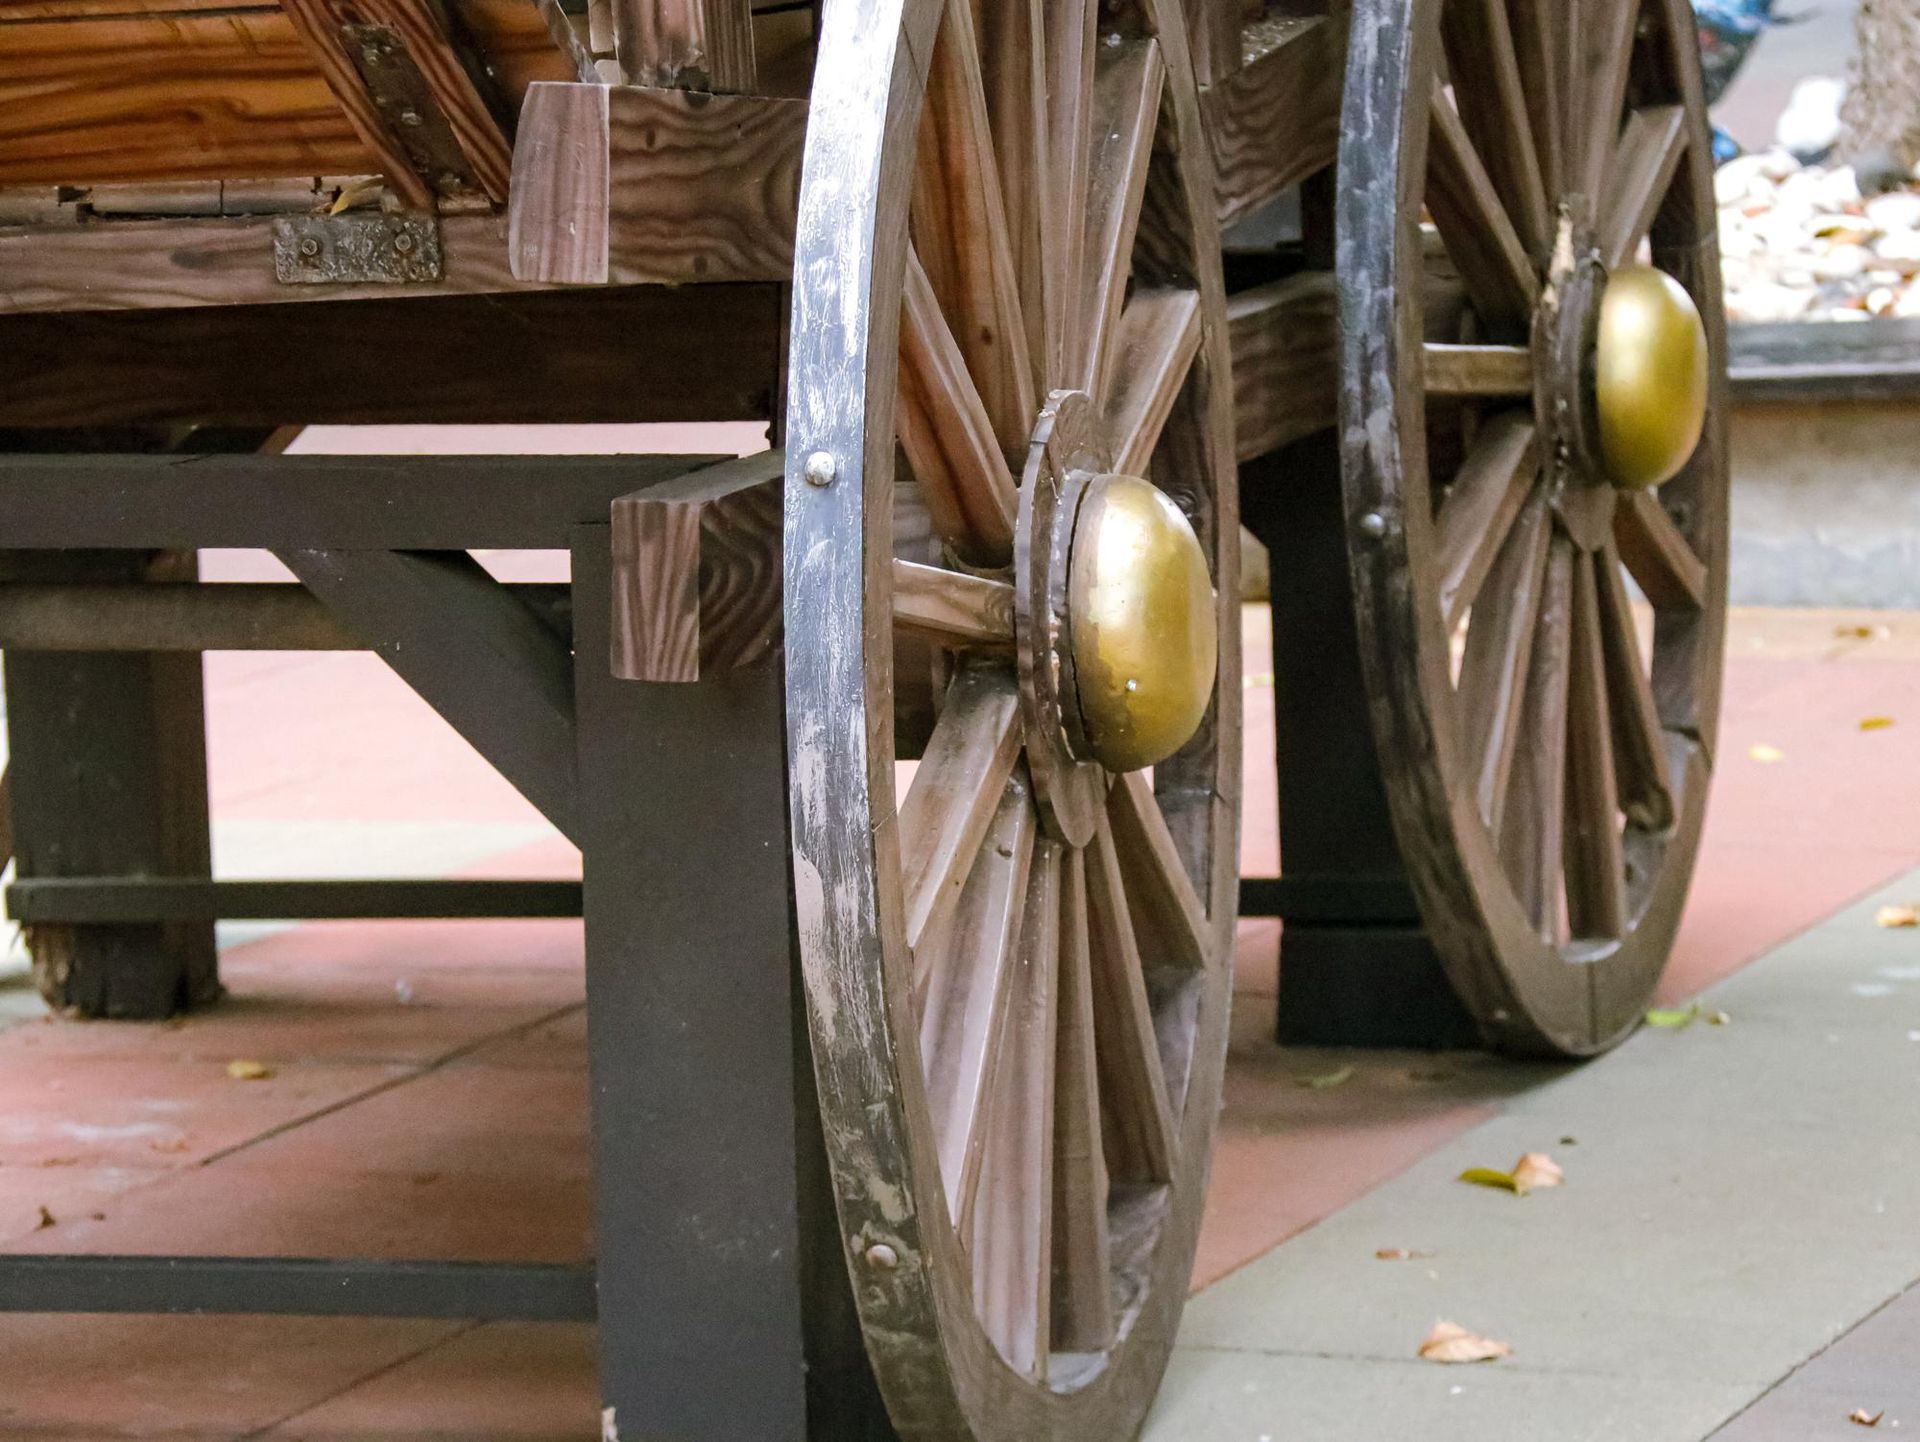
x: 1766, y: 755
x: 1718, y: 1018
x: 1536, y: 1169
x: 1400, y: 1254
x: 1875, y: 723
x: 1319, y: 1083
x: 46, y: 1220
x: 1674, y: 1018
x: 168, y: 1144
x: 1450, y: 1342
x: 1861, y: 1417
x: 249, y: 1070
x: 1897, y: 916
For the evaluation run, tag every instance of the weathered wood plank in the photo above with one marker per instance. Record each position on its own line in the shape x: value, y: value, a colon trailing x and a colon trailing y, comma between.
x: 1276, y: 120
x: 685, y: 44
x: 696, y: 572
x: 632, y: 184
x: 140, y: 97
x: 1285, y: 363
x: 570, y: 353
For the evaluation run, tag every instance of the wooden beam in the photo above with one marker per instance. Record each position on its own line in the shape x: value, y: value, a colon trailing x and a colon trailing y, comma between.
x: 570, y: 354
x: 686, y: 44
x: 1276, y: 120
x: 306, y: 503
x: 482, y: 658
x: 696, y: 572
x: 631, y: 184
x: 231, y: 616
x: 1285, y: 343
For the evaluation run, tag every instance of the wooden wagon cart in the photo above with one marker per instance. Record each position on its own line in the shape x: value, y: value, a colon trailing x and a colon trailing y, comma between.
x: 912, y: 745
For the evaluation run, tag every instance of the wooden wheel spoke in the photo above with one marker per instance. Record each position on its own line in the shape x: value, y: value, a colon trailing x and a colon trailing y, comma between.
x: 1494, y: 481
x: 1158, y: 337
x: 1012, y: 1234
x: 1530, y: 835
x: 1478, y: 370
x: 1595, y: 863
x: 947, y: 434
x: 1486, y: 248
x: 1658, y: 555
x: 962, y: 988
x: 1540, y: 49
x: 959, y: 226
x: 1082, y: 1293
x: 1602, y: 55
x: 1649, y: 154
x: 1495, y: 113
x: 1500, y: 644
x: 1070, y: 59
x: 1126, y: 103
x: 1639, y: 744
x: 1170, y: 923
x: 1138, y: 1119
x: 952, y: 606
x: 1013, y: 68
x: 954, y: 793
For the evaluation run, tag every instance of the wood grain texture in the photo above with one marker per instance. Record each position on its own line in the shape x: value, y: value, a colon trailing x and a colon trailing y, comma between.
x: 696, y: 572
x: 1276, y: 121
x: 1648, y: 157
x: 1595, y: 867
x: 454, y: 98
x: 961, y: 987
x: 1492, y: 260
x: 1285, y: 348
x: 1478, y: 370
x: 273, y: 365
x: 1081, y: 1293
x: 1480, y: 508
x: 686, y: 44
x: 137, y: 264
x: 139, y: 97
x: 662, y: 186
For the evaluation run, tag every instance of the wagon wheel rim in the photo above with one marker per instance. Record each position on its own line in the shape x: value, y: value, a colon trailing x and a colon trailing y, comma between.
x: 1547, y: 776
x: 1017, y: 977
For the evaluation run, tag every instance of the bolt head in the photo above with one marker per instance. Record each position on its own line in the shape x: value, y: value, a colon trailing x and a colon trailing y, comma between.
x: 1373, y: 524
x: 882, y: 1257
x: 820, y: 469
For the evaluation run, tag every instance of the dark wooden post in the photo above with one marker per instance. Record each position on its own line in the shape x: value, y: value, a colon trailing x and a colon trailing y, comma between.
x: 723, y: 1290
x: 1355, y: 967
x: 109, y: 778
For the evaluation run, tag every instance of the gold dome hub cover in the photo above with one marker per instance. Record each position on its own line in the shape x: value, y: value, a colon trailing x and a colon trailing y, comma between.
x: 1142, y: 630
x: 1650, y: 377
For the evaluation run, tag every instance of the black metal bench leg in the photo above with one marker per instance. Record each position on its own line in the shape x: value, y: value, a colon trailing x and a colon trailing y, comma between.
x: 108, y: 761
x: 710, y: 1281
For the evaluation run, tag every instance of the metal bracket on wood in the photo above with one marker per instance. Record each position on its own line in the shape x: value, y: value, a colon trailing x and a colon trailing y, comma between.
x: 405, y: 101
x: 356, y: 249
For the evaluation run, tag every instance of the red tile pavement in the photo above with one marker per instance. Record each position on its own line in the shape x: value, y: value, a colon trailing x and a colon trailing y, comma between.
x: 421, y: 1106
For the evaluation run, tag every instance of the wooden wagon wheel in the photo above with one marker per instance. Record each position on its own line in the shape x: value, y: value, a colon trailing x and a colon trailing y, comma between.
x: 1517, y: 378
x: 1016, y: 963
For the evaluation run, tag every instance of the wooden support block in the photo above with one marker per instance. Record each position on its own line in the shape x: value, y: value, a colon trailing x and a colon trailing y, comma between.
x: 1285, y: 342
x: 696, y: 572
x: 632, y: 185
x: 686, y: 44
x: 1276, y: 121
x: 108, y: 775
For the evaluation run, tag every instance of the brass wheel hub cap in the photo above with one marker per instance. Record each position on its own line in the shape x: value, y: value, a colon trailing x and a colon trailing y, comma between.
x: 1116, y: 620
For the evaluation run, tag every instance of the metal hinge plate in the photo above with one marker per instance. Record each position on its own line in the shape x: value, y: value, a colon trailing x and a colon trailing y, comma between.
x: 356, y: 249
